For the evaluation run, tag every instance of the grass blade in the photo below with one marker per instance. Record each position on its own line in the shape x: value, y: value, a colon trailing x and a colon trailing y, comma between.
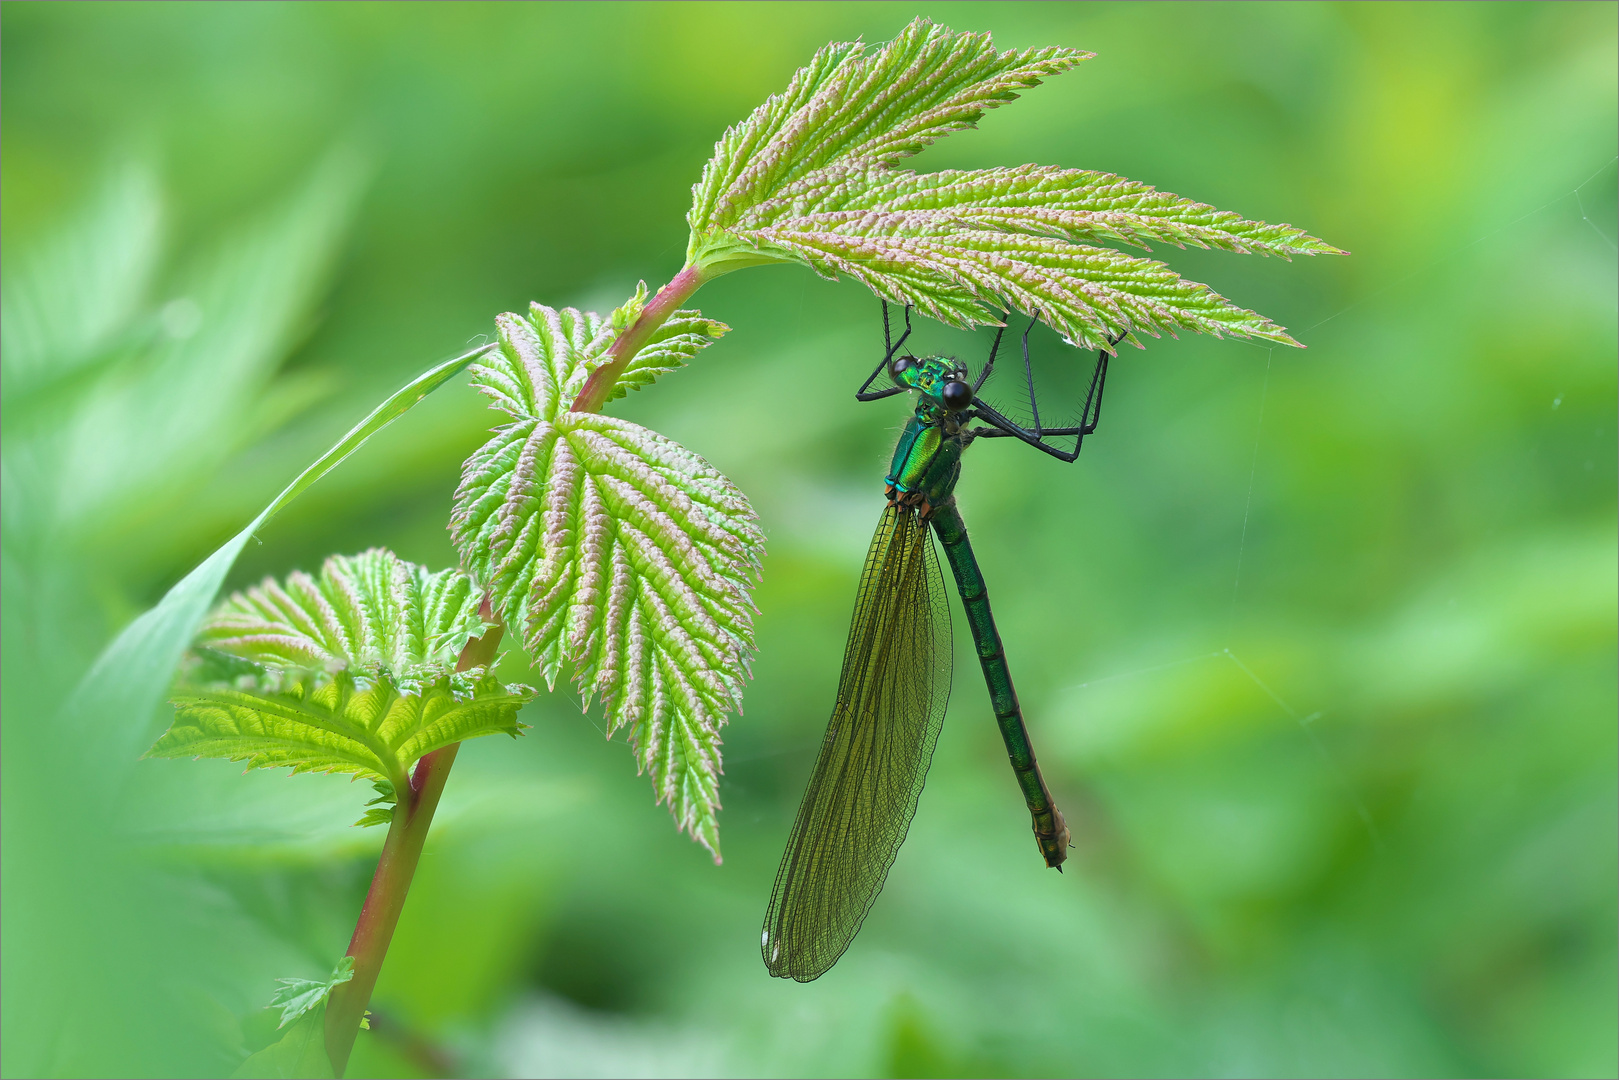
x: 130, y: 676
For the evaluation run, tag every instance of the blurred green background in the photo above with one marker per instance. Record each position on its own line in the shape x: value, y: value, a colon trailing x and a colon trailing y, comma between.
x: 1318, y: 647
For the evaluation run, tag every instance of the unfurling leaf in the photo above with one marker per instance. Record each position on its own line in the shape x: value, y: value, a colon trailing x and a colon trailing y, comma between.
x: 613, y: 549
x: 298, y: 996
x: 380, y: 810
x: 812, y: 177
x: 352, y: 671
x: 129, y: 676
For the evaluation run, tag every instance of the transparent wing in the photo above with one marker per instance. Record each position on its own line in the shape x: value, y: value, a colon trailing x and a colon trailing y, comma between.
x: 874, y: 759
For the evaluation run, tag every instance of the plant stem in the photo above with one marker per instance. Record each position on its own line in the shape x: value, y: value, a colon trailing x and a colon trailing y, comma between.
x: 413, y: 815
x: 375, y: 929
x: 593, y: 395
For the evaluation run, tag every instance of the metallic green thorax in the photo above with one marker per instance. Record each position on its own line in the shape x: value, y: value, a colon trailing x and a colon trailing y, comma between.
x: 927, y: 461
x: 926, y: 466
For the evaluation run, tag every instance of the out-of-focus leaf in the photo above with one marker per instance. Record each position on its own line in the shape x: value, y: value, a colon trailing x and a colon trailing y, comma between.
x: 155, y: 425
x: 300, y: 1053
x: 74, y: 296
x: 353, y: 672
x: 616, y: 550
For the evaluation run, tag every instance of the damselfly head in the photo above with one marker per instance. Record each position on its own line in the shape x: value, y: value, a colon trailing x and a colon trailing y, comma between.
x: 940, y: 379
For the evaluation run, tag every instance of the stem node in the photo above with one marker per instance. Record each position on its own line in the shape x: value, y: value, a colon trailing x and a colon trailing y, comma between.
x: 593, y: 395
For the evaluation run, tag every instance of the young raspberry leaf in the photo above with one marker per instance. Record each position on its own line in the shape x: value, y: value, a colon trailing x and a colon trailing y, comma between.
x: 1072, y: 204
x: 295, y: 997
x: 351, y: 671
x: 847, y: 106
x: 812, y: 177
x: 1088, y: 294
x: 614, y: 550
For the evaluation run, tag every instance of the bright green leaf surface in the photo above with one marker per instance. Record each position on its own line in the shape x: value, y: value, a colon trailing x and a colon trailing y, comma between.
x: 615, y: 550
x: 353, y: 671
x: 1089, y: 294
x: 1074, y: 204
x: 380, y: 810
x: 1429, y: 560
x: 372, y: 612
x: 847, y: 106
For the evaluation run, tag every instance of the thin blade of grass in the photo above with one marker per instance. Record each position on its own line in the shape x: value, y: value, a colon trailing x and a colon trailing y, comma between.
x: 129, y: 677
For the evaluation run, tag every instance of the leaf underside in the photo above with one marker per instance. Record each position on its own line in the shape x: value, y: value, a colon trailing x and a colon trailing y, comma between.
x: 351, y: 671
x: 614, y: 550
x: 812, y: 176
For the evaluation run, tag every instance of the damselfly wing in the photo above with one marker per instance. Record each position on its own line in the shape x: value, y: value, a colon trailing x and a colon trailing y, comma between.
x: 874, y: 759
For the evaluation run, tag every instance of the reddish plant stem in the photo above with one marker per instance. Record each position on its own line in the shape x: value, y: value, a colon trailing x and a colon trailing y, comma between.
x: 413, y: 816
x: 383, y: 904
x: 593, y: 395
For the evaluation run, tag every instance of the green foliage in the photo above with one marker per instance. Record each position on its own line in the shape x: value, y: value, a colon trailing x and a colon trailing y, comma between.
x: 614, y: 549
x: 300, y: 1054
x: 202, y: 354
x: 353, y: 671
x: 811, y: 177
x: 1429, y: 560
x: 299, y: 996
x: 380, y: 810
x: 129, y: 675
x: 846, y: 107
x: 682, y: 336
x: 82, y: 290
x: 371, y: 612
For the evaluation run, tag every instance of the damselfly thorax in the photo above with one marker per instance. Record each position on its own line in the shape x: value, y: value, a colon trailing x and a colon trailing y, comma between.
x: 927, y: 459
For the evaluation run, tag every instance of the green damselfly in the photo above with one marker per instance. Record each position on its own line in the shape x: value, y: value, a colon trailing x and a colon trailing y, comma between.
x: 897, y: 664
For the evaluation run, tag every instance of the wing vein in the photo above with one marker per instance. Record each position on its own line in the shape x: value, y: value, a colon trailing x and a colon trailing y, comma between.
x: 874, y: 759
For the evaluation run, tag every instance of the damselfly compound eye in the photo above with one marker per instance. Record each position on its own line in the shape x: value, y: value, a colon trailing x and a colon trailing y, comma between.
x: 899, y: 366
x: 956, y: 395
